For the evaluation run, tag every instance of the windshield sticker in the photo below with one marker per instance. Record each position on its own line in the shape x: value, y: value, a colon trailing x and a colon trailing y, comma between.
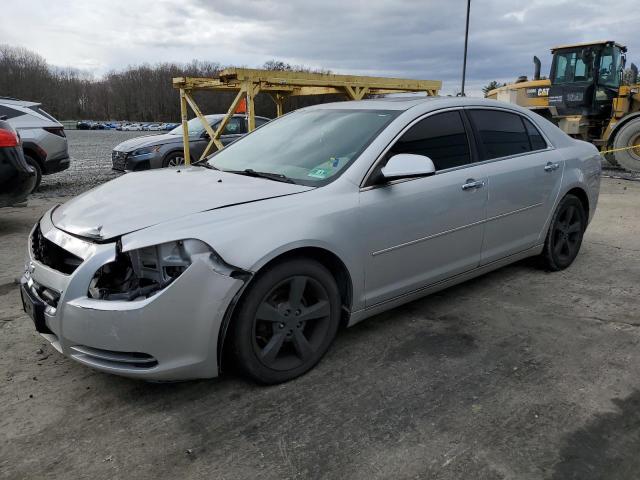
x: 320, y: 173
x: 328, y: 168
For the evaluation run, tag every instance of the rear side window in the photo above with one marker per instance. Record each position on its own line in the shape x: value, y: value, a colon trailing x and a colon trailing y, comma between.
x: 535, y: 137
x: 9, y: 112
x: 37, y: 109
x: 501, y: 133
x: 440, y: 137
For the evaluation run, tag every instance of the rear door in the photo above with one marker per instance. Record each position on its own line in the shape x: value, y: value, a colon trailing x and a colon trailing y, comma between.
x: 525, y: 174
x: 419, y: 231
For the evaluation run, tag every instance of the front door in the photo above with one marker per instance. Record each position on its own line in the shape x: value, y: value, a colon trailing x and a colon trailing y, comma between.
x: 421, y: 231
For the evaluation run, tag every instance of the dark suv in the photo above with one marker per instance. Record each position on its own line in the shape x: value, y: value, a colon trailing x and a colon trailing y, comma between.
x: 165, y: 150
x: 16, y: 177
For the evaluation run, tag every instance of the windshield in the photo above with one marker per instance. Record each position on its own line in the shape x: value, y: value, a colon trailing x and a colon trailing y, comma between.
x: 574, y: 66
x: 609, y: 71
x: 309, y: 147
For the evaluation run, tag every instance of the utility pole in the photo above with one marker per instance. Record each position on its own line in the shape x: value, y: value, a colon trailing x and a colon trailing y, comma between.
x: 466, y: 41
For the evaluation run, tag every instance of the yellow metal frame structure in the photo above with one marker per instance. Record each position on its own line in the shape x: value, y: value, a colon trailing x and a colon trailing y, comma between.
x: 279, y: 85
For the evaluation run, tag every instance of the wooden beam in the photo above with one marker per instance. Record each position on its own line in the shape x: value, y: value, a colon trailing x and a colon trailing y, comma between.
x: 185, y: 127
x: 252, y: 91
x: 215, y: 139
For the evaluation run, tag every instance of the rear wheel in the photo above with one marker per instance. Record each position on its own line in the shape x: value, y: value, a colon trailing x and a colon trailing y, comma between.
x: 565, y: 234
x: 33, y: 163
x: 286, y: 321
x: 628, y: 136
x: 175, y: 159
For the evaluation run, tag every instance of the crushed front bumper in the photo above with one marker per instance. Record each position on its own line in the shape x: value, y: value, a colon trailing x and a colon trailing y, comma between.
x: 172, y: 335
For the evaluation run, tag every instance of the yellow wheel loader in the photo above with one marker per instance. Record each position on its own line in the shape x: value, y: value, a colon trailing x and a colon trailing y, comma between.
x: 587, y: 96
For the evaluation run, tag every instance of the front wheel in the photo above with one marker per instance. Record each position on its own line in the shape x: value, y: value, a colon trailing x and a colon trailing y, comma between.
x: 565, y: 234
x: 286, y: 321
x: 175, y: 159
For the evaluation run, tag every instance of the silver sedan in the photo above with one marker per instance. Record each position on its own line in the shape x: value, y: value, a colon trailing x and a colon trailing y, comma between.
x: 321, y: 218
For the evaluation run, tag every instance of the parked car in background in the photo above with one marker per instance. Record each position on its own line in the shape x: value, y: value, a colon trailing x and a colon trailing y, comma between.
x: 17, y: 178
x: 83, y: 125
x: 43, y: 139
x: 132, y: 127
x: 157, y: 151
x: 325, y: 216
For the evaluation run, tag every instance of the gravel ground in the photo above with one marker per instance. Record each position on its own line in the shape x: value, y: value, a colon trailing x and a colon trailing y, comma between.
x: 519, y: 374
x: 90, y: 152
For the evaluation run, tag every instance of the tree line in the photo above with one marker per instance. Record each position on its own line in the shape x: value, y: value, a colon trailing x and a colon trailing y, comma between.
x: 141, y: 93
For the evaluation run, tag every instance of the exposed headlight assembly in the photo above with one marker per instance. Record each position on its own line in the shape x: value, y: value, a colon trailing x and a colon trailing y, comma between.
x: 142, y: 273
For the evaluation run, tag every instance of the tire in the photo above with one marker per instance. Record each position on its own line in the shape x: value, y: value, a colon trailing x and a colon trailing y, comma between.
x: 272, y: 340
x: 174, y: 159
x: 36, y: 166
x: 564, y: 237
x: 627, y: 136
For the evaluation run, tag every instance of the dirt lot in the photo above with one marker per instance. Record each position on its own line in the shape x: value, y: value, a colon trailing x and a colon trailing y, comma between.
x: 520, y: 374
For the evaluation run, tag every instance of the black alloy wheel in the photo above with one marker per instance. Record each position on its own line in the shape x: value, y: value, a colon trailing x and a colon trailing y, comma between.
x: 287, y: 321
x: 565, y: 234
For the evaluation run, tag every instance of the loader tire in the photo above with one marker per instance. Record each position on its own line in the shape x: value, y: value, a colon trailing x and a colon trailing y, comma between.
x: 628, y: 136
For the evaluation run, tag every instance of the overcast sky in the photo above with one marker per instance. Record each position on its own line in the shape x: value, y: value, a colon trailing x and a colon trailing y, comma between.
x: 401, y: 38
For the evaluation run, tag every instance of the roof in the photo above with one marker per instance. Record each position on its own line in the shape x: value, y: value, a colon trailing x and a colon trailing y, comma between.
x: 18, y: 103
x: 587, y: 44
x: 405, y: 103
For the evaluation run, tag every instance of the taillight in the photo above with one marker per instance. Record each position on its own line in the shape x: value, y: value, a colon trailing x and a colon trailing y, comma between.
x: 9, y: 138
x: 56, y: 131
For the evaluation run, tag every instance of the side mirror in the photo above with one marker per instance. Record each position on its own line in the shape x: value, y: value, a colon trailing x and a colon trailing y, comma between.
x: 408, y: 165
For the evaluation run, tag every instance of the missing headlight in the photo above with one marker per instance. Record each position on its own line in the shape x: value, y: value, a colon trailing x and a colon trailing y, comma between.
x: 142, y: 273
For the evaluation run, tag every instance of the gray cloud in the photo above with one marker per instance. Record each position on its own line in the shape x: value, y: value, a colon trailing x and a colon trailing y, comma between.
x: 404, y: 38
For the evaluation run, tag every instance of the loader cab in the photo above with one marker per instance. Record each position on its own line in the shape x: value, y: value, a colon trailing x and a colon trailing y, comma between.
x: 585, y: 78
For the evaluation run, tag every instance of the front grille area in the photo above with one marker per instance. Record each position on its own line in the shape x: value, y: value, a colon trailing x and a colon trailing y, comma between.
x: 52, y: 255
x: 112, y: 358
x: 119, y: 160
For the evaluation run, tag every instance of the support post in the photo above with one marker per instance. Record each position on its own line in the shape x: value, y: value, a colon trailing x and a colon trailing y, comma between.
x: 278, y: 99
x: 204, y: 121
x: 252, y: 91
x: 185, y: 127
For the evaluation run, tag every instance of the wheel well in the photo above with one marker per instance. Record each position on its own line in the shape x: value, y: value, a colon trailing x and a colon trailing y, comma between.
x: 582, y: 196
x: 33, y: 154
x: 171, y: 152
x: 622, y: 123
x: 328, y: 259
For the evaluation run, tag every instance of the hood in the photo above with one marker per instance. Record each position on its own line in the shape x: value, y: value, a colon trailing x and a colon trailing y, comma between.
x: 138, y: 200
x: 147, y: 141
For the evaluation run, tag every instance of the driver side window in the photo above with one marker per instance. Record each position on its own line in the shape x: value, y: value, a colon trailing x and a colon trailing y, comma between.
x: 441, y: 137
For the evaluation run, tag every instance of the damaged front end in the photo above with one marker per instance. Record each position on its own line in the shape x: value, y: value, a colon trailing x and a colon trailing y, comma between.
x: 142, y: 273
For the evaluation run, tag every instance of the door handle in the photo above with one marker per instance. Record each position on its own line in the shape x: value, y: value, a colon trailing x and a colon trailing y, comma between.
x: 472, y: 184
x: 550, y: 167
